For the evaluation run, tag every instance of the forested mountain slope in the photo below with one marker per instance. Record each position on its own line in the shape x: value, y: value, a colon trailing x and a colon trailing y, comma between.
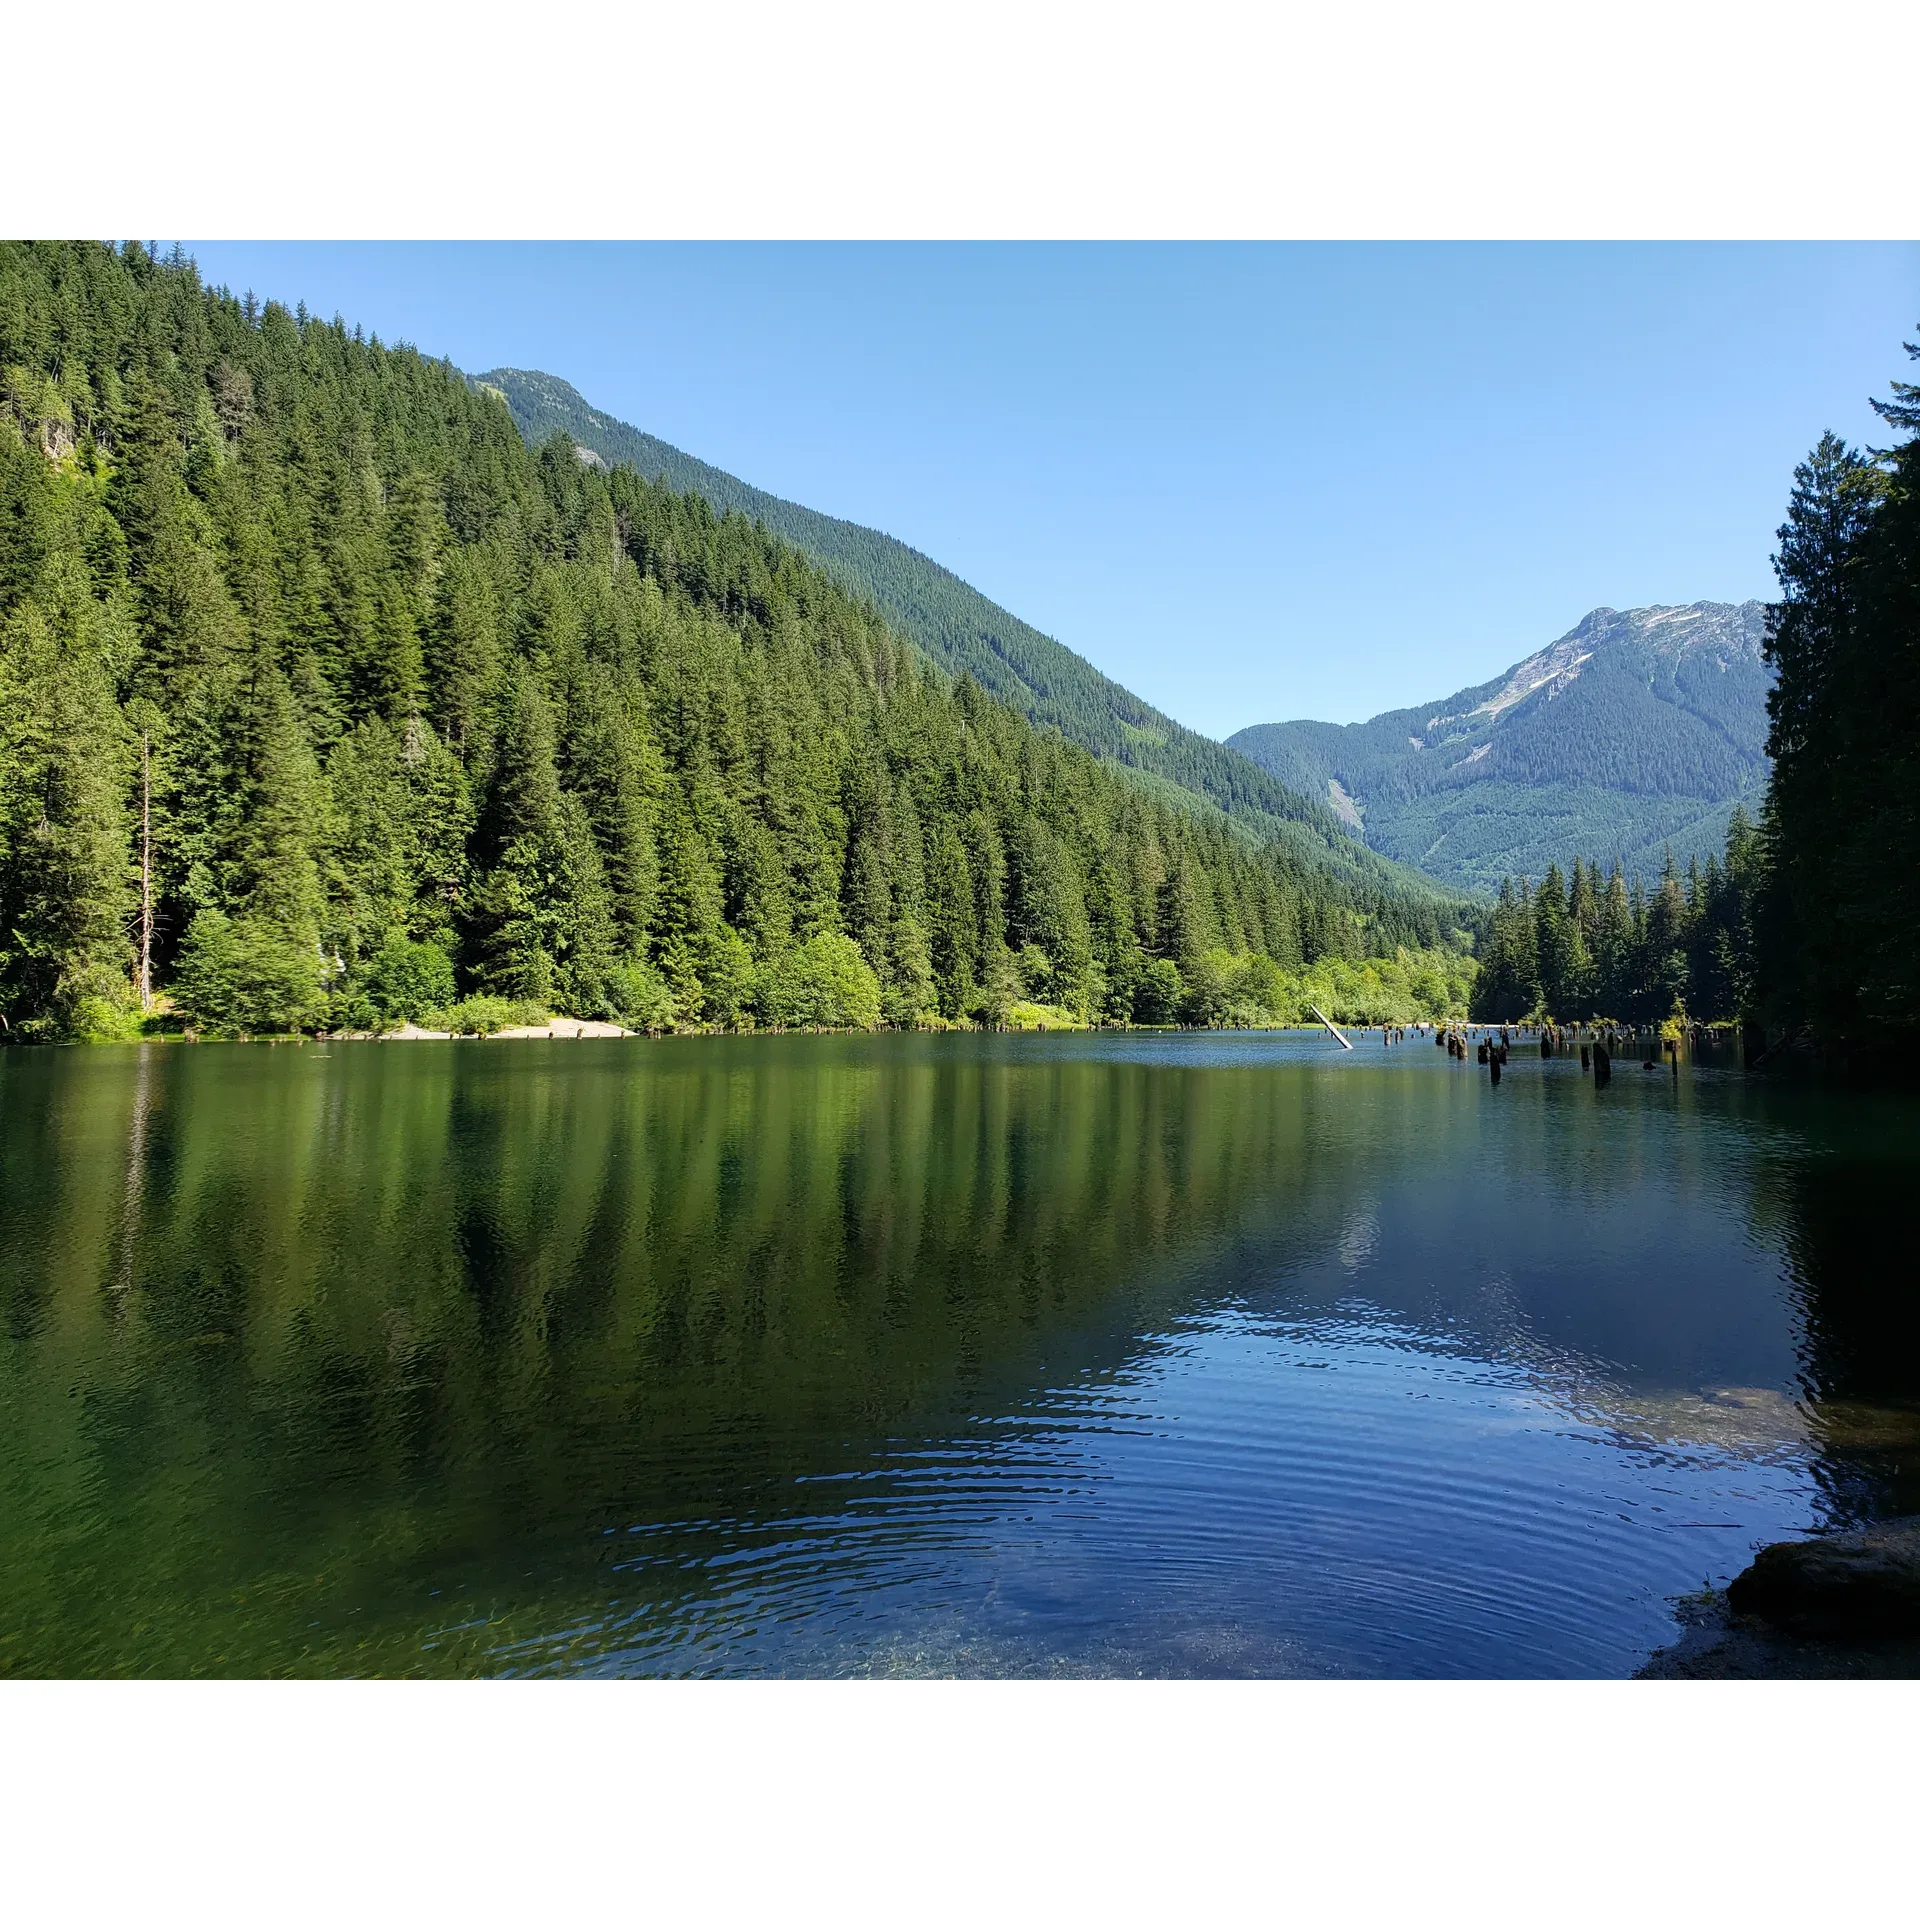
x: 321, y: 692
x: 961, y: 629
x: 1633, y: 733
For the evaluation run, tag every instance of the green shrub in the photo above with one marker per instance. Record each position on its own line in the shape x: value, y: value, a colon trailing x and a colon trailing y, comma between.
x: 1204, y: 998
x: 91, y: 1003
x: 990, y: 1002
x: 640, y: 997
x: 1033, y: 1016
x: 727, y: 977
x: 351, y: 1012
x: 908, y: 994
x: 245, y: 976
x: 1157, y: 994
x: 485, y: 1013
x: 406, y: 978
x: 823, y: 983
x: 1036, y: 972
x: 710, y: 975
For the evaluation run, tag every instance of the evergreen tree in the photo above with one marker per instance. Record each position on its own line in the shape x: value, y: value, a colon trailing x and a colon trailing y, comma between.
x: 1804, y: 971
x: 65, y: 871
x: 1613, y: 949
x: 1664, y: 942
x: 538, y: 923
x: 1561, y: 958
x: 1508, y: 985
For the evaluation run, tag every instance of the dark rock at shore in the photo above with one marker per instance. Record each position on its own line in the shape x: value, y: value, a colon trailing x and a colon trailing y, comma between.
x: 1840, y: 1586
x: 1843, y: 1606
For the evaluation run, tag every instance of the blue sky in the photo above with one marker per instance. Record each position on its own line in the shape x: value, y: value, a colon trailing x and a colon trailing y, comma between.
x: 1251, y: 482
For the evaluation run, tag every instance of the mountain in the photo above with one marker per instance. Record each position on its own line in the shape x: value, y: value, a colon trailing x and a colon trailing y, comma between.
x: 966, y: 633
x: 327, y: 700
x: 1634, y: 732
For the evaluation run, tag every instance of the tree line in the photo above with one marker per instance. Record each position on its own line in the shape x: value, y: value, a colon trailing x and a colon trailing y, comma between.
x: 325, y: 701
x: 1591, y: 948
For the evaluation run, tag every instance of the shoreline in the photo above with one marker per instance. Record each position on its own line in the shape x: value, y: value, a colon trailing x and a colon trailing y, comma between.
x: 566, y: 1027
x: 570, y: 1027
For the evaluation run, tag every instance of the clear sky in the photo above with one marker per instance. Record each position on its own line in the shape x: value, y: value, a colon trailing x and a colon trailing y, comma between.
x: 1250, y: 482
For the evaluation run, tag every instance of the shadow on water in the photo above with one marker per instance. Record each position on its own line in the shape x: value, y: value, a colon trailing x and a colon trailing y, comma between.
x: 1850, y: 1246
x: 916, y: 1354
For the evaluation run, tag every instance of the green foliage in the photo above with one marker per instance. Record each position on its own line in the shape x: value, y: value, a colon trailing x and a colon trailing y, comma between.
x: 1590, y: 950
x: 485, y: 1013
x: 1838, y: 921
x: 823, y: 983
x: 1391, y: 990
x: 1158, y: 992
x: 65, y: 878
x: 1034, y: 1016
x: 998, y: 989
x: 1224, y: 989
x: 412, y: 694
x: 721, y: 965
x: 1206, y: 989
x: 1508, y: 987
x: 246, y: 975
x: 641, y: 999
x: 407, y: 979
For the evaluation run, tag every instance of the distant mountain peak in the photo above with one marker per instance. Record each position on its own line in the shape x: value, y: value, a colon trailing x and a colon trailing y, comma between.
x: 1634, y: 729
x: 1662, y: 632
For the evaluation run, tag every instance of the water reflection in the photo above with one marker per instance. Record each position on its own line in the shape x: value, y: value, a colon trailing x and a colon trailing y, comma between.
x: 919, y: 1354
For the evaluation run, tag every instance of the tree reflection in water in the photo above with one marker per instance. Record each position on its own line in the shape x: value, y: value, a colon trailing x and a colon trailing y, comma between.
x: 811, y: 1354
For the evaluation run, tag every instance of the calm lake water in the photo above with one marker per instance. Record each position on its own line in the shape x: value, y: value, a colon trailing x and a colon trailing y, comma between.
x: 1070, y: 1354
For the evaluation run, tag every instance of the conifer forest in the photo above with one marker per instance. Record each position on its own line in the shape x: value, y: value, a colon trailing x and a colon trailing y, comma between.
x: 327, y: 703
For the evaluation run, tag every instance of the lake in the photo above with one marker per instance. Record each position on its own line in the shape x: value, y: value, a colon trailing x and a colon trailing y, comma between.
x: 926, y: 1354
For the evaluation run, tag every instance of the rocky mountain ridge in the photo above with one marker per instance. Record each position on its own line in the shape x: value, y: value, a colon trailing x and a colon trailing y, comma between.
x: 1633, y: 731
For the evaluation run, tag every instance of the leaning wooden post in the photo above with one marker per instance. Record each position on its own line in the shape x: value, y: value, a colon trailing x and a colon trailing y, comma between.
x: 1330, y: 1027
